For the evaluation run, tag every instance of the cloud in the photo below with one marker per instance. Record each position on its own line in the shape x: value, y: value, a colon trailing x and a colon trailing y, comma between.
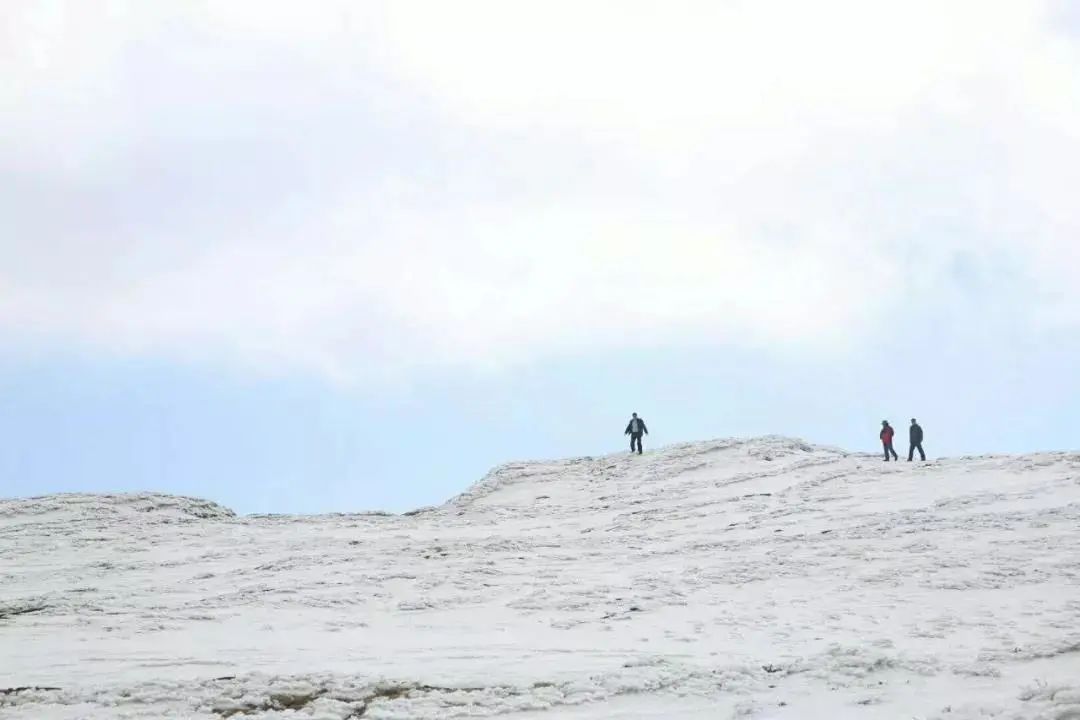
x: 361, y: 194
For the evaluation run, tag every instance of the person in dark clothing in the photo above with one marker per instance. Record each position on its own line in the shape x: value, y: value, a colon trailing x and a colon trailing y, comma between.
x: 635, y: 429
x: 886, y: 436
x: 915, y: 435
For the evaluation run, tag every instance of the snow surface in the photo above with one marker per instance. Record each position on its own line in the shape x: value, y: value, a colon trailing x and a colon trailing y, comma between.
x: 760, y: 578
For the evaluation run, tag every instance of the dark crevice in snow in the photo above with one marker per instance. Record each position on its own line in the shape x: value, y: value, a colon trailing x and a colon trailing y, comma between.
x: 296, y: 701
x: 27, y: 688
x: 9, y: 610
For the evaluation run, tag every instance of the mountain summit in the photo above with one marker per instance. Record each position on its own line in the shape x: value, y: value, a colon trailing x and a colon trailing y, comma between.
x: 762, y: 578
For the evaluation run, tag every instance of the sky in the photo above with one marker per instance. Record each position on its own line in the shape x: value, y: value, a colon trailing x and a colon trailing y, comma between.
x: 347, y: 256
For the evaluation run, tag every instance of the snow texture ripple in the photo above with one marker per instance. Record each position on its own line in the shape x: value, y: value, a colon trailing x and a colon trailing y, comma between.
x: 762, y: 578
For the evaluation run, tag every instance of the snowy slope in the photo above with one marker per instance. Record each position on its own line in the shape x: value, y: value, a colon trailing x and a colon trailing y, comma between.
x: 732, y: 579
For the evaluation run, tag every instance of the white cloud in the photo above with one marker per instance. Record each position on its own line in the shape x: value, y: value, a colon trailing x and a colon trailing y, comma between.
x: 478, y: 183
x: 644, y: 65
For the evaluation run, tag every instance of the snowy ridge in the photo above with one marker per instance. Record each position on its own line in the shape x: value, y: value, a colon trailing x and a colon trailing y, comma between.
x: 73, y: 507
x: 762, y: 578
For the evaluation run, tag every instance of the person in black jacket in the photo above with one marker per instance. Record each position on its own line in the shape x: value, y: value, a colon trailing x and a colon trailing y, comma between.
x: 915, y: 434
x: 635, y: 429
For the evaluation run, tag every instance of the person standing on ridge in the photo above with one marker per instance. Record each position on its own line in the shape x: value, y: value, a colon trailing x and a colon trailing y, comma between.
x: 635, y: 429
x: 915, y: 435
x: 886, y: 436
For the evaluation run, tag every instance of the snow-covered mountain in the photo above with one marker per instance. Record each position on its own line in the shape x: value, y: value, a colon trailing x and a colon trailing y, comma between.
x: 760, y: 578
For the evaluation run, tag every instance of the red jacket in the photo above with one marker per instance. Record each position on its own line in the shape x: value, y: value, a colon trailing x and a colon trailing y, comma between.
x: 887, y: 434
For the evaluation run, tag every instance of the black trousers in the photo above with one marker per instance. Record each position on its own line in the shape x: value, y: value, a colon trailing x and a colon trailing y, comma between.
x: 889, y: 449
x: 635, y: 442
x: 911, y: 452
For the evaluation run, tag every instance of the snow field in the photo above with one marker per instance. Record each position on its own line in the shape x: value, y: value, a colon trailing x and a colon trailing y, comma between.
x: 762, y: 578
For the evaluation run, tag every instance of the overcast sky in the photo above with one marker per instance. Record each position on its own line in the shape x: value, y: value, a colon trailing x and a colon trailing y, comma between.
x: 288, y: 254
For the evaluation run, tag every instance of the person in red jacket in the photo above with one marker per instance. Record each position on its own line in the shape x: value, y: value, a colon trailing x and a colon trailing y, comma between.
x: 886, y: 436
